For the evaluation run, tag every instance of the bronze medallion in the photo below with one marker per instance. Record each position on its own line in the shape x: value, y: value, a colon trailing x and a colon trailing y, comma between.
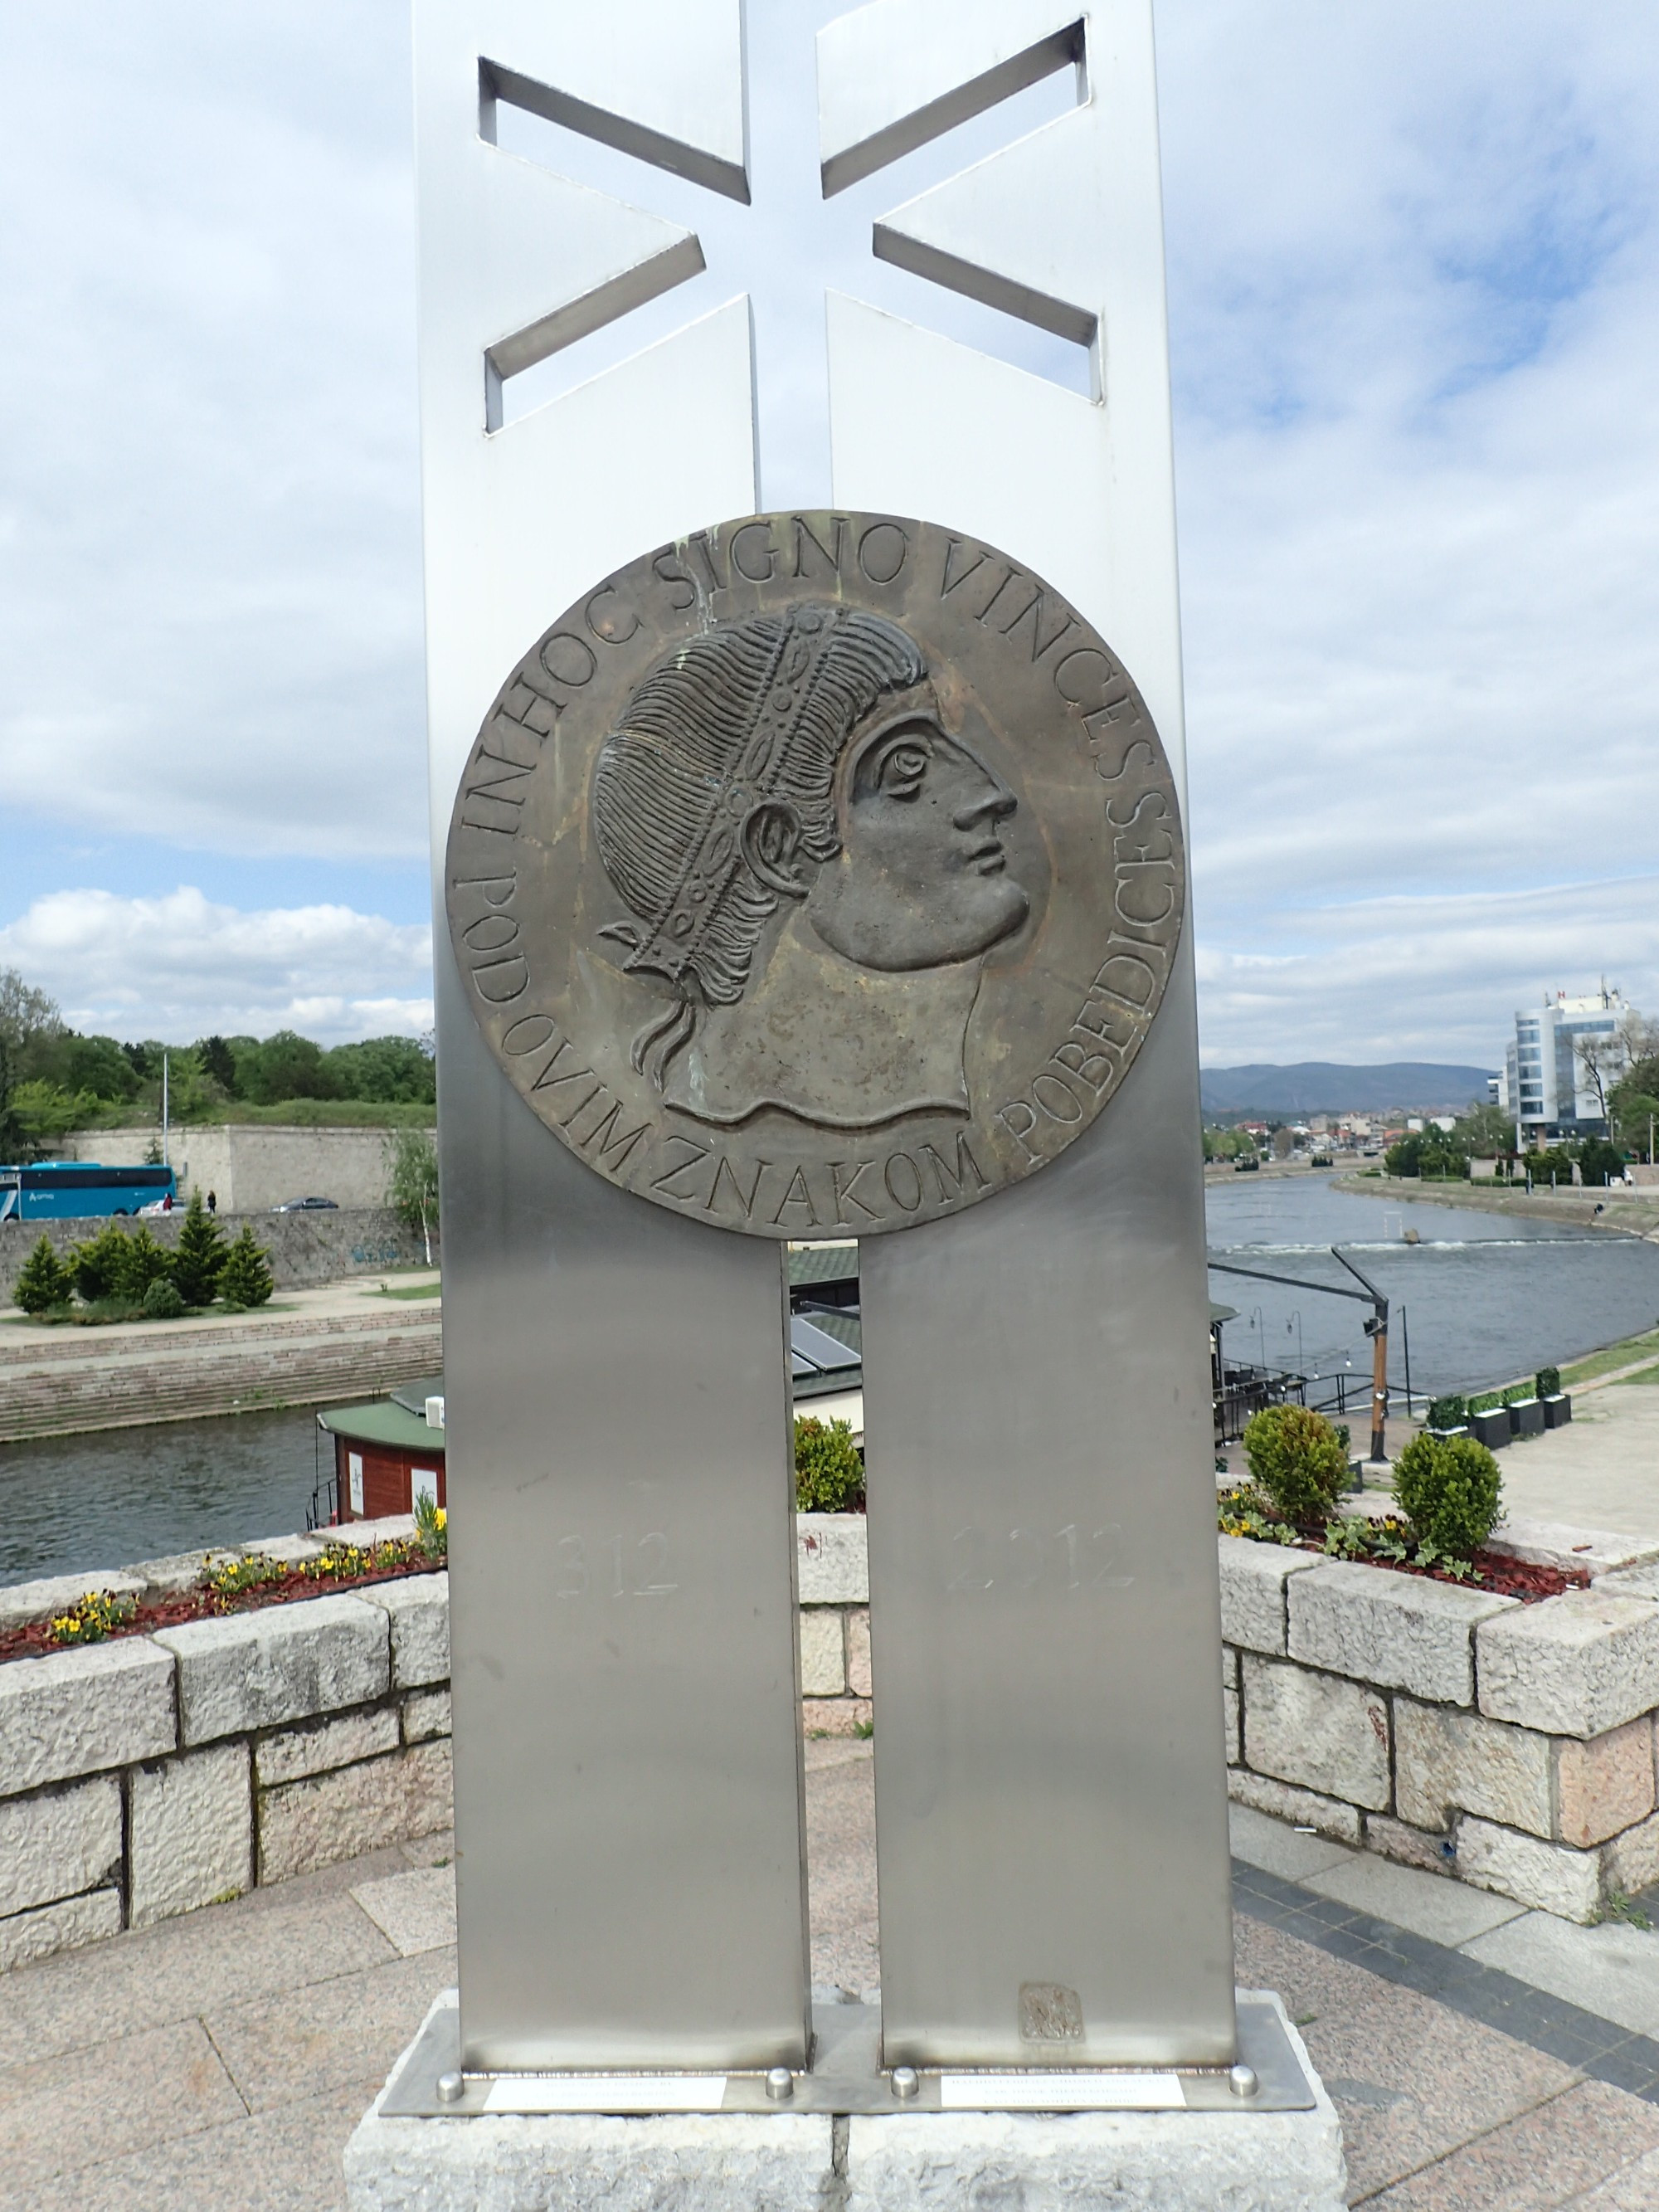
x: 820, y: 874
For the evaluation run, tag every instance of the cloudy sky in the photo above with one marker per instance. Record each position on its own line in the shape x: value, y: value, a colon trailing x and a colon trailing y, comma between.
x: 1414, y: 265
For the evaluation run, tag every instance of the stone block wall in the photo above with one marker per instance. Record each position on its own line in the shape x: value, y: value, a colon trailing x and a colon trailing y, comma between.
x: 1511, y: 1746
x: 143, y: 1777
x: 304, y: 1248
x: 250, y: 1166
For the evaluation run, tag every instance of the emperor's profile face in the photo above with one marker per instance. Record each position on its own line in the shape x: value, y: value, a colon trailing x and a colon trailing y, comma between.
x: 921, y: 878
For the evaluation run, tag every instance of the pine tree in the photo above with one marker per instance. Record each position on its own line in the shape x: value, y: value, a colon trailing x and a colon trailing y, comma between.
x: 245, y: 1279
x: 44, y: 1281
x: 145, y: 1262
x: 97, y: 1265
x: 198, y: 1258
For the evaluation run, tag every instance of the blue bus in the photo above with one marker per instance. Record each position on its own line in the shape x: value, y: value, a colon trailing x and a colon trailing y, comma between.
x: 58, y: 1190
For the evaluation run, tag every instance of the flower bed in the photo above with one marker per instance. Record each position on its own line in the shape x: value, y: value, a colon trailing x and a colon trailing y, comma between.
x: 1387, y: 1543
x: 240, y: 1585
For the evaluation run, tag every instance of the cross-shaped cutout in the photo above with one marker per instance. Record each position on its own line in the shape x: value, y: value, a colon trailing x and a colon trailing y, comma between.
x: 805, y: 155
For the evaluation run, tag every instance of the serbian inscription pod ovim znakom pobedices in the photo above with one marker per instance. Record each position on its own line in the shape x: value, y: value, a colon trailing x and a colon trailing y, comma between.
x: 820, y: 872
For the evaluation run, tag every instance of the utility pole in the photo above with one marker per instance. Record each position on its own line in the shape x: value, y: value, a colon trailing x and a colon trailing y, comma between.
x: 165, y: 1161
x: 1377, y: 1329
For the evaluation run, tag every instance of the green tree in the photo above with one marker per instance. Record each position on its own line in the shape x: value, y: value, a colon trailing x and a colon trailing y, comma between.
x: 285, y: 1065
x: 389, y: 1071
x: 1482, y: 1131
x: 216, y: 1060
x: 46, y: 1111
x: 26, y: 1016
x: 99, y: 1262
x: 142, y: 1262
x: 199, y: 1256
x: 1598, y: 1160
x: 412, y: 1180
x: 44, y: 1281
x: 246, y: 1279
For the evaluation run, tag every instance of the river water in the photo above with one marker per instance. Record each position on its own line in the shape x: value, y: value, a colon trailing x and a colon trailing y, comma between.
x: 1483, y: 1298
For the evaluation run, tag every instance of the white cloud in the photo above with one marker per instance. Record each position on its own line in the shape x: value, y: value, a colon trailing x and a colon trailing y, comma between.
x: 1415, y: 286
x: 1414, y: 261
x: 180, y: 967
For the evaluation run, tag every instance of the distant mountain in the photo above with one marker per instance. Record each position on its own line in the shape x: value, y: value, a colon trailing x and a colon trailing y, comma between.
x: 1323, y: 1086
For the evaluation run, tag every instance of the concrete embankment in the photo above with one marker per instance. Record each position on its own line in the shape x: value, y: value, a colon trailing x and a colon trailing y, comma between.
x: 70, y: 1380
x: 1632, y: 1212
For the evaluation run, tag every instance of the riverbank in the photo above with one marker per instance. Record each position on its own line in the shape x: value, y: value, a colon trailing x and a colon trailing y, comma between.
x: 1632, y: 1212
x: 341, y: 1340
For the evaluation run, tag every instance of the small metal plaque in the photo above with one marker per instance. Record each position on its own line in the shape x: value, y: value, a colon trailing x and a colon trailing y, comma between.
x: 847, y: 2075
x: 820, y: 872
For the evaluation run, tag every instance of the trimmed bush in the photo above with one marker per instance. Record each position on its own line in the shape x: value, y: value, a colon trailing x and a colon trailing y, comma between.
x: 1489, y: 1401
x: 1547, y: 1381
x: 246, y: 1279
x: 44, y: 1281
x: 1449, y: 1413
x: 1295, y: 1456
x: 829, y: 1472
x: 161, y: 1301
x: 1450, y: 1492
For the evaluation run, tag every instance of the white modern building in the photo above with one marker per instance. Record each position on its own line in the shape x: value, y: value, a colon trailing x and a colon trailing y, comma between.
x: 1548, y: 1086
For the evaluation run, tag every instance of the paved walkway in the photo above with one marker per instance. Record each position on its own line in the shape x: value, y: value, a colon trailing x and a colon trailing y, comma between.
x: 1484, y: 2058
x: 1602, y: 1471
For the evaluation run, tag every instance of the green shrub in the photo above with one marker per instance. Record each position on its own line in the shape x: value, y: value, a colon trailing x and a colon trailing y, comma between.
x: 44, y: 1281
x: 1449, y: 1411
x: 245, y: 1279
x: 1295, y: 1457
x: 1451, y: 1493
x: 140, y: 1264
x: 1547, y: 1381
x: 829, y: 1472
x: 199, y: 1256
x: 98, y: 1265
x: 161, y: 1301
x: 1519, y: 1393
x: 1489, y: 1401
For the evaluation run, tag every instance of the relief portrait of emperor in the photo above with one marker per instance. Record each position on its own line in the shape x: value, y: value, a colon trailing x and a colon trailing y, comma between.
x: 812, y: 862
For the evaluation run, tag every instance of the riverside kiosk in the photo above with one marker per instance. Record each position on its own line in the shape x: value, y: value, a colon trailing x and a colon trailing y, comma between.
x: 807, y: 769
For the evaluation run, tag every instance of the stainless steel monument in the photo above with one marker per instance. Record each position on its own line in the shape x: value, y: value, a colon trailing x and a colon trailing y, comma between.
x: 812, y: 870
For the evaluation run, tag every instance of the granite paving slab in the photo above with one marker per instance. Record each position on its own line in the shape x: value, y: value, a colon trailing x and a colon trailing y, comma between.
x: 415, y: 1912
x: 304, y: 2042
x: 1612, y: 1969
x: 61, y: 2113
x: 1411, y: 2080
x: 1540, y: 2162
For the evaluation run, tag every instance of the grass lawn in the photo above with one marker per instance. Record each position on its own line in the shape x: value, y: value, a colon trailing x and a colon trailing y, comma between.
x: 1614, y: 1355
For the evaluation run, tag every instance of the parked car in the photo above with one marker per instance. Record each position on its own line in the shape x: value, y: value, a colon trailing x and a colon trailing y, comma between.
x: 307, y: 1205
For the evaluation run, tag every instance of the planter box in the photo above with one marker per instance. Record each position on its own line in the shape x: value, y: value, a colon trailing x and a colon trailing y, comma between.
x: 1527, y: 1418
x: 1558, y: 1411
x: 1493, y: 1428
x: 1445, y: 1436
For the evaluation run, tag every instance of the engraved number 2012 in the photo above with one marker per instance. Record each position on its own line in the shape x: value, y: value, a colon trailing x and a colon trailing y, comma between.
x: 1074, y: 1557
x: 613, y: 1567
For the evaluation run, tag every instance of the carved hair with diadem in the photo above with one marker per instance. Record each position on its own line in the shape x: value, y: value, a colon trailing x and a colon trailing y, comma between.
x: 748, y: 715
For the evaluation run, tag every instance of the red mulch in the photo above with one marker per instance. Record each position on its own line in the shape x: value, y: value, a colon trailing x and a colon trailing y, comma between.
x: 35, y: 1639
x: 1493, y: 1570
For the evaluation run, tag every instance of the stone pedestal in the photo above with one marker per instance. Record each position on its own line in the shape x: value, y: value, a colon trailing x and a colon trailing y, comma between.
x: 1136, y: 2161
